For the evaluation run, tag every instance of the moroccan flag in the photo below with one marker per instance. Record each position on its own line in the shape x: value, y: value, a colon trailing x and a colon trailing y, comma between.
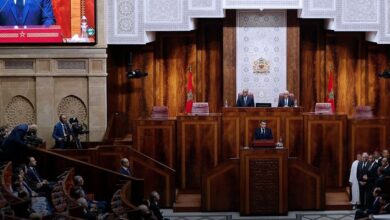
x: 189, y: 93
x: 330, y: 98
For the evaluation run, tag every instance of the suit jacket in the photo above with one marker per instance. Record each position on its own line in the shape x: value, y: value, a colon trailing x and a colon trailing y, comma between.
x: 250, y: 102
x: 14, y: 146
x: 33, y: 177
x: 372, y: 173
x: 361, y: 171
x: 126, y: 172
x: 266, y: 136
x: 290, y: 102
x: 58, y: 132
x: 35, y: 12
x: 156, y: 210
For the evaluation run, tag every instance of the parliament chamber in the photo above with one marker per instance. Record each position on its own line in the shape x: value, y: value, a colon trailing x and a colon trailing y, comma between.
x: 132, y: 90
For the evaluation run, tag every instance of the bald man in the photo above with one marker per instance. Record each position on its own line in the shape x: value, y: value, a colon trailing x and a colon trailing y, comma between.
x: 14, y: 146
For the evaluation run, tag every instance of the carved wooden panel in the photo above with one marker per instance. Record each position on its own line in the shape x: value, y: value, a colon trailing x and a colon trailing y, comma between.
x: 199, y: 147
x: 219, y: 184
x: 231, y: 137
x: 325, y: 146
x: 263, y: 181
x: 264, y: 185
x: 366, y: 135
x: 293, y: 140
x: 157, y: 139
x: 310, y: 193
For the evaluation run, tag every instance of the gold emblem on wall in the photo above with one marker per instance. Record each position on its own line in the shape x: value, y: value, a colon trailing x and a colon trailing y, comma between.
x: 261, y: 65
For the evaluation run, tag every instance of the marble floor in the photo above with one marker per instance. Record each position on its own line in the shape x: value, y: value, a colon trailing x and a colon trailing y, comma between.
x: 308, y: 215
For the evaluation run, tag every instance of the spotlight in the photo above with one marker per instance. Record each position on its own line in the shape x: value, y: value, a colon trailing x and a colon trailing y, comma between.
x: 385, y: 74
x: 136, y: 74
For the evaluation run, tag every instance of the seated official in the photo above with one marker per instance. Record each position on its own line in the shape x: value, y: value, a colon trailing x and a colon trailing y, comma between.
x: 125, y: 167
x: 245, y: 99
x: 263, y: 132
x: 286, y: 100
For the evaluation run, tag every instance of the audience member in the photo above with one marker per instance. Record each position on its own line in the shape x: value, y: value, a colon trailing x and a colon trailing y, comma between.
x: 15, y: 147
x: 263, y: 132
x: 372, y: 176
x: 245, y: 100
x: 33, y: 178
x: 373, y: 209
x: 154, y: 198
x: 62, y: 133
x: 354, y: 182
x: 78, y: 193
x: 125, y: 167
x: 362, y: 178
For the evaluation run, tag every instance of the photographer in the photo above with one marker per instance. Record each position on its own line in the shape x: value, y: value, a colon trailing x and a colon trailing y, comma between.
x: 15, y: 146
x: 62, y: 133
x: 77, y: 129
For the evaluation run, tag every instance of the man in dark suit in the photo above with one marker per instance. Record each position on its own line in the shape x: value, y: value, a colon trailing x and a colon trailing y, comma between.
x: 362, y: 178
x: 245, y: 100
x: 26, y: 12
x: 125, y: 167
x: 35, y: 180
x: 14, y: 146
x: 286, y: 100
x: 372, y: 176
x: 62, y: 133
x: 263, y: 132
x: 154, y: 198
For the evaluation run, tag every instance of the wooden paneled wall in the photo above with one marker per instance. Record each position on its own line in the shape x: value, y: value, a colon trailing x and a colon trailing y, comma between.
x: 166, y: 60
x: 210, y: 50
x: 354, y: 63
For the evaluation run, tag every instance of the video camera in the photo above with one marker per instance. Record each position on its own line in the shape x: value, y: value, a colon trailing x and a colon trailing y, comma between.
x: 33, y: 140
x: 78, y: 128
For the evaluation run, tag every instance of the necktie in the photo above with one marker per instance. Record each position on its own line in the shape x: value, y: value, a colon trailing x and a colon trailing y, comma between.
x: 262, y: 130
x: 286, y: 102
x: 19, y: 9
x: 245, y: 100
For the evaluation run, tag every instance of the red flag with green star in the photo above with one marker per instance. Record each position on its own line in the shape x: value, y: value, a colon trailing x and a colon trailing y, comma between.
x: 189, y: 93
x: 330, y: 98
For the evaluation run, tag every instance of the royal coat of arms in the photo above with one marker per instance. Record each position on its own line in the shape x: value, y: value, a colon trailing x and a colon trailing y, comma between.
x: 261, y: 65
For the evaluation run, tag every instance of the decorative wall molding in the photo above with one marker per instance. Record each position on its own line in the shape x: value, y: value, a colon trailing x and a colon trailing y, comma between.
x: 136, y: 21
x: 261, y: 53
x: 72, y: 106
x: 19, y: 110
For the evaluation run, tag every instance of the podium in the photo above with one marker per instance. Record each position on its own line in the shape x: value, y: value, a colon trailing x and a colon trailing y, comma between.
x: 31, y: 34
x: 263, y: 144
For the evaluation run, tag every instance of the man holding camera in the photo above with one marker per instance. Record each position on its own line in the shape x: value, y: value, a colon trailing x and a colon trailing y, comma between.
x: 62, y: 133
x: 15, y: 147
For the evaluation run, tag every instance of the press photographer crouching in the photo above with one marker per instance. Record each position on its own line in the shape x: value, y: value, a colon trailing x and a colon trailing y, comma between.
x: 16, y: 145
x: 77, y: 129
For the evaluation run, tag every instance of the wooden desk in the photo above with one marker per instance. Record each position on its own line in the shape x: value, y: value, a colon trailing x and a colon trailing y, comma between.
x: 157, y: 139
x: 325, y: 146
x: 263, y: 181
x: 239, y: 124
x: 199, y: 147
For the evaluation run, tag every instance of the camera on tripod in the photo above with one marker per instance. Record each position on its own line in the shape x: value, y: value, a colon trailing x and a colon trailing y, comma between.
x: 77, y: 129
